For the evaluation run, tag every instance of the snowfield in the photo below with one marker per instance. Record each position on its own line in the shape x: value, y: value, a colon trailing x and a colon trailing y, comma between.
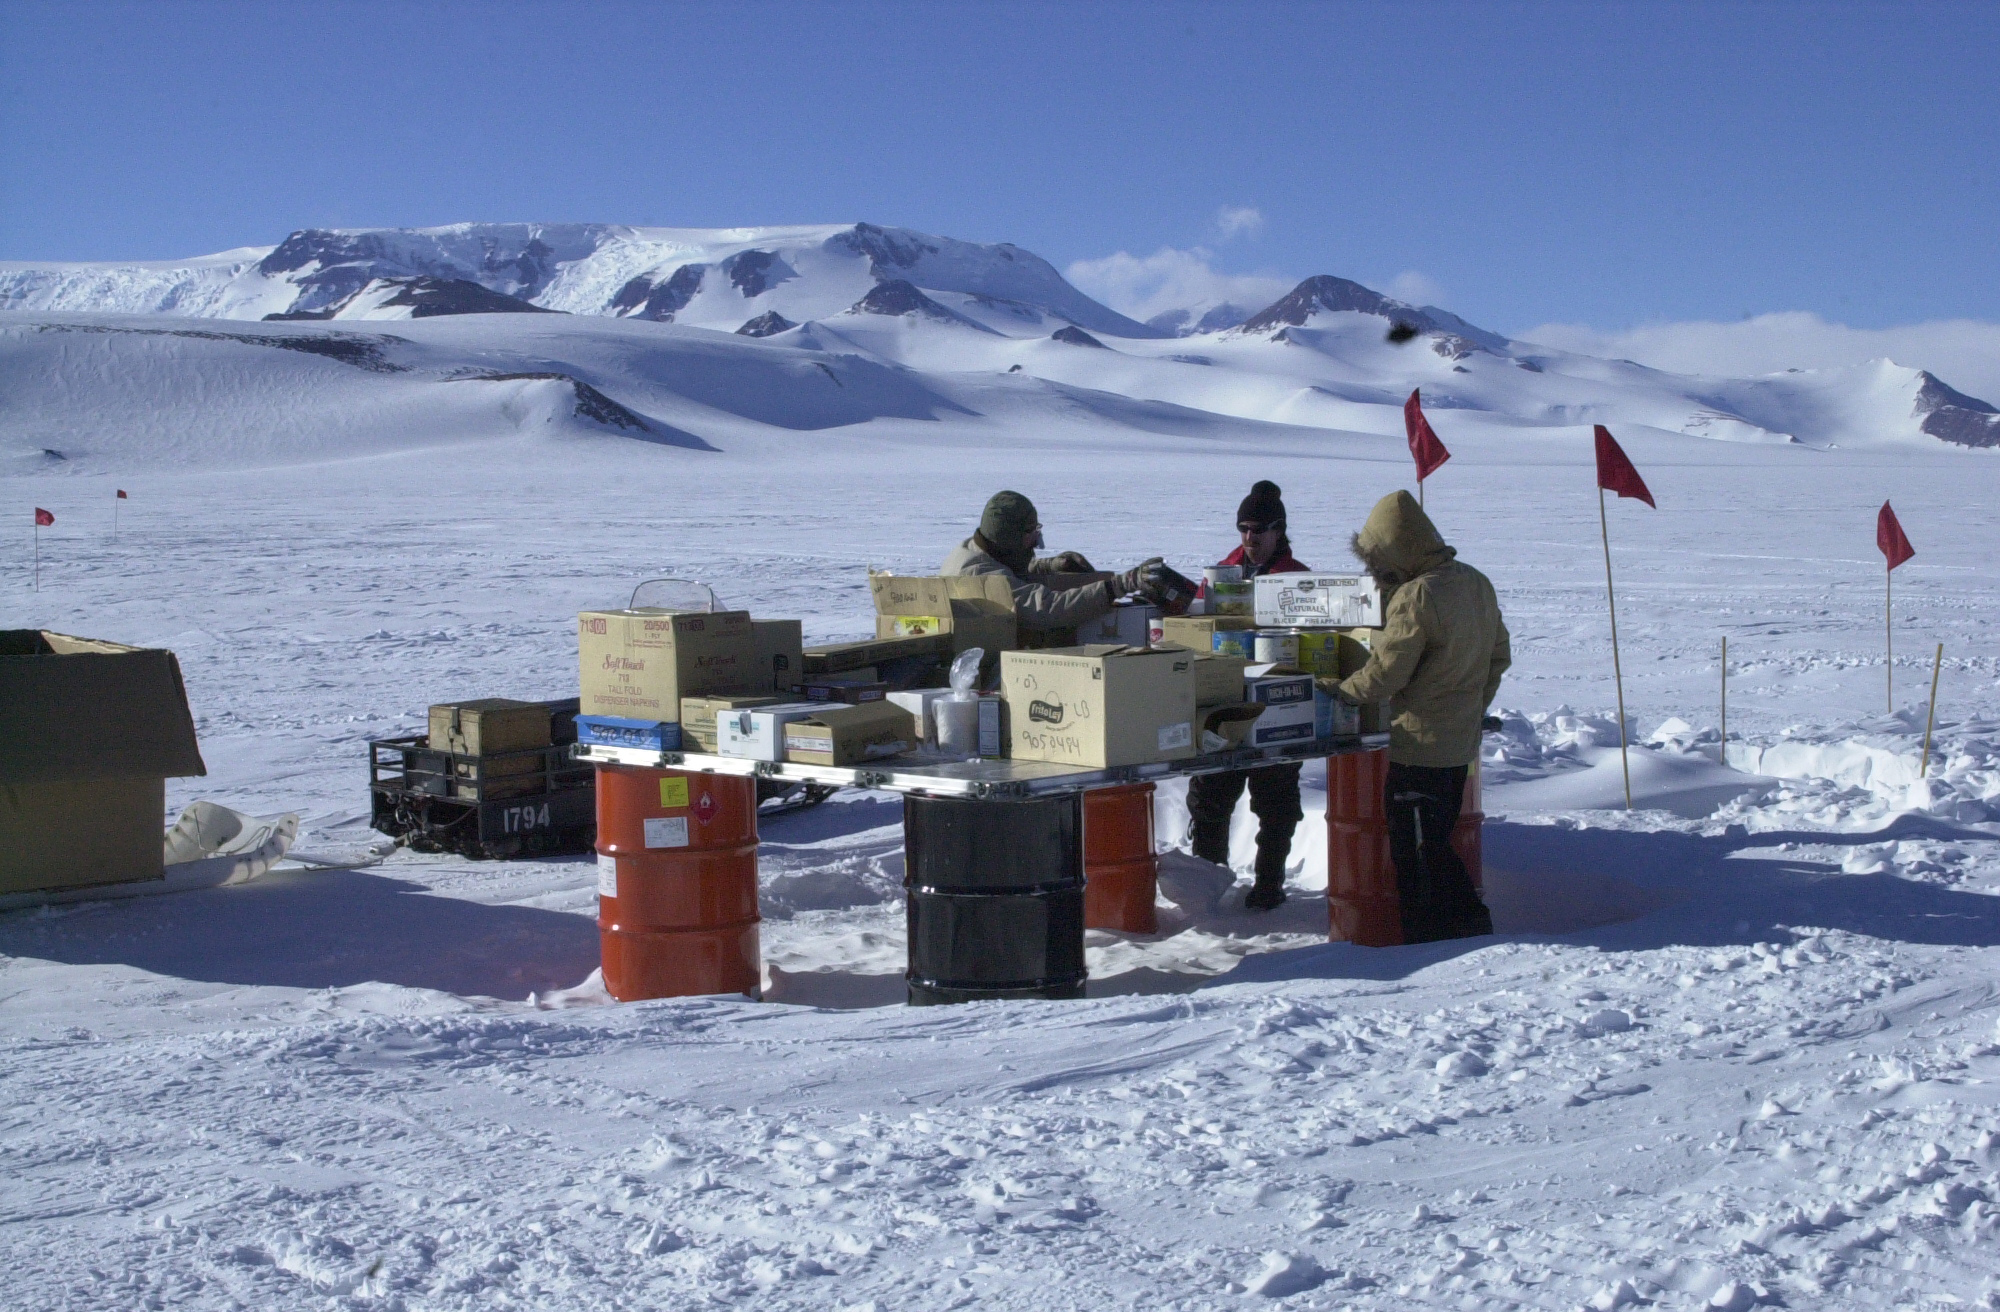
x: 1737, y: 1048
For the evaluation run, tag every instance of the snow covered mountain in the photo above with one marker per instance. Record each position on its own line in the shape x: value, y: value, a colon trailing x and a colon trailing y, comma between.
x: 713, y: 278
x: 690, y: 335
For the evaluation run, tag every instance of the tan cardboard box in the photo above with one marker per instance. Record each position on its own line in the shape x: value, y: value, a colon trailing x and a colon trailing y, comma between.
x: 698, y: 717
x: 89, y: 733
x: 973, y: 610
x: 1224, y: 725
x: 1218, y: 679
x: 780, y: 650
x: 489, y: 726
x: 851, y: 735
x: 638, y: 664
x: 1099, y: 706
x: 1197, y: 632
x: 855, y: 658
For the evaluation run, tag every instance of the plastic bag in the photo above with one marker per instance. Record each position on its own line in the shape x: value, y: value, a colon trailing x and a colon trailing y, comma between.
x: 957, y: 712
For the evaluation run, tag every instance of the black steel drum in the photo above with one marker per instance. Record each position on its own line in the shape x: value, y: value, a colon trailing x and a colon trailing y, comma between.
x: 995, y: 898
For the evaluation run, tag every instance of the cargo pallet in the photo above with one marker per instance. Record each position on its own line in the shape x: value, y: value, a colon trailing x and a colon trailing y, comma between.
x: 540, y: 801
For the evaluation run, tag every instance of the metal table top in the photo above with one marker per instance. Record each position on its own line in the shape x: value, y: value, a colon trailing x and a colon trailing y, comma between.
x: 931, y: 775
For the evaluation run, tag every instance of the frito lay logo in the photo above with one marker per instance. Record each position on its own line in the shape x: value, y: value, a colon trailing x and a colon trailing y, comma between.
x: 704, y: 810
x: 1043, y: 712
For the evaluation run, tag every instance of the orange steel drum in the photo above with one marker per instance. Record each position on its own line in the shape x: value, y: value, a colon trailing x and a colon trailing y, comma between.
x: 677, y: 883
x: 1361, y: 899
x: 1465, y: 834
x: 1121, y: 872
x: 1361, y: 902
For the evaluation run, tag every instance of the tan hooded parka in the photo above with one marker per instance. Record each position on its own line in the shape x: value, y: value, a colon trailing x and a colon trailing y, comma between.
x: 1442, y: 648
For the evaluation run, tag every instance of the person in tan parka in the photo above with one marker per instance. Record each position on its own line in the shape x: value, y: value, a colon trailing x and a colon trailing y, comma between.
x: 1437, y: 660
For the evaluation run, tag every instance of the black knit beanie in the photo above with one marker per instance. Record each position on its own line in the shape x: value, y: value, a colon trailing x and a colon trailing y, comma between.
x: 1263, y: 505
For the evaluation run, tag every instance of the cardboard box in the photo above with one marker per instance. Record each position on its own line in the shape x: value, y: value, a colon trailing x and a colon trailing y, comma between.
x: 1333, y: 653
x: 1129, y: 624
x: 1218, y: 680
x: 77, y: 833
x: 917, y: 701
x: 852, y: 657
x: 760, y: 734
x: 1285, y: 722
x: 1099, y: 706
x: 1336, y: 601
x: 489, y: 726
x: 638, y: 664
x: 698, y: 717
x: 851, y: 735
x: 780, y: 650
x: 89, y: 732
x: 616, y: 731
x: 1278, y: 687
x: 1222, y: 727
x: 970, y: 610
x: 1197, y: 632
x: 853, y: 692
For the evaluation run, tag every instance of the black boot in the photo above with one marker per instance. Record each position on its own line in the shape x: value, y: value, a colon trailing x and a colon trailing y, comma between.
x: 1209, y: 840
x: 1272, y: 850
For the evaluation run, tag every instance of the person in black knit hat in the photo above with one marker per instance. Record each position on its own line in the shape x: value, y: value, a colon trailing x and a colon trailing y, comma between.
x: 1274, y: 789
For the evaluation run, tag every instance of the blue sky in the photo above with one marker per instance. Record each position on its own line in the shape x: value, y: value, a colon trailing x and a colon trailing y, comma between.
x: 1604, y: 165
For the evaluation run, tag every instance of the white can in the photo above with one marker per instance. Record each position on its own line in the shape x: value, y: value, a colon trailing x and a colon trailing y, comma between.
x: 1277, y: 647
x: 1156, y: 629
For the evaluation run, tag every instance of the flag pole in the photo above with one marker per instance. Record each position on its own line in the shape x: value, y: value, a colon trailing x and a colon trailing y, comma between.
x: 1420, y: 494
x: 38, y: 557
x: 1937, y: 663
x: 1725, y: 699
x: 1889, y: 635
x: 1617, y: 673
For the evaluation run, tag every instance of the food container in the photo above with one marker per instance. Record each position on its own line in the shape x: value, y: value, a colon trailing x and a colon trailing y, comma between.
x: 1215, y: 574
x: 1275, y: 647
x: 1234, y: 642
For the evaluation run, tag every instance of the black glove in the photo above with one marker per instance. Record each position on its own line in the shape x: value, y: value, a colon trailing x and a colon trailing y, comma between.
x: 1492, y: 724
x: 1071, y: 562
x: 1140, y: 578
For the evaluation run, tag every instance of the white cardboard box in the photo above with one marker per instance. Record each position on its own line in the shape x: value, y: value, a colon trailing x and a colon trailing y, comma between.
x: 760, y: 734
x: 917, y: 701
x: 1288, y: 722
x: 1130, y: 625
x: 1318, y: 601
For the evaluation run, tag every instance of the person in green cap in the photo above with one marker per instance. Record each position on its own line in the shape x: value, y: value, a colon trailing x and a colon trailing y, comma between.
x: 1009, y: 531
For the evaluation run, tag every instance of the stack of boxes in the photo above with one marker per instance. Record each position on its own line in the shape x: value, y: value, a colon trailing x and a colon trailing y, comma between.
x: 725, y: 683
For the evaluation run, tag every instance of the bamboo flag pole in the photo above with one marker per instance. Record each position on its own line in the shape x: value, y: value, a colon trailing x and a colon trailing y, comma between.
x: 1895, y: 548
x: 1617, y: 671
x: 1725, y: 698
x: 1616, y: 474
x: 1937, y: 663
x: 1889, y: 636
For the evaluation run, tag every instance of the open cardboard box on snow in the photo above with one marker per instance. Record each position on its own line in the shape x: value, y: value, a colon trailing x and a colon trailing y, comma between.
x: 90, y: 732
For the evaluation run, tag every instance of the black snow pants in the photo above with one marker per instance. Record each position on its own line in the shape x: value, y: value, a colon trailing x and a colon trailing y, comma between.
x: 1274, y: 800
x: 1437, y: 896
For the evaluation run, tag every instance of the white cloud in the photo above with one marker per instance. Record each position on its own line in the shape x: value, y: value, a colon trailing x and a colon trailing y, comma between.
x: 1965, y: 353
x: 1416, y: 288
x: 1142, y: 286
x: 1234, y: 221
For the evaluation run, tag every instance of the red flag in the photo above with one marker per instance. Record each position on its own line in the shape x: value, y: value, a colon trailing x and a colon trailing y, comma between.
x: 1889, y: 537
x: 122, y: 496
x: 1615, y: 472
x: 1425, y: 448
x: 43, y: 518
